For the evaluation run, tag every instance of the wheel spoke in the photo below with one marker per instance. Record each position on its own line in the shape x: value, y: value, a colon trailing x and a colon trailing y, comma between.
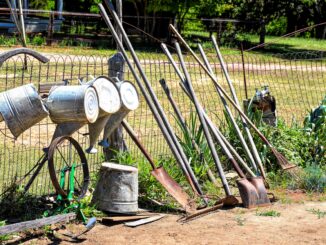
x: 62, y: 157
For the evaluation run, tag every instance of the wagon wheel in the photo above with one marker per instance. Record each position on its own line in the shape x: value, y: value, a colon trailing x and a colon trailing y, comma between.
x: 63, y: 153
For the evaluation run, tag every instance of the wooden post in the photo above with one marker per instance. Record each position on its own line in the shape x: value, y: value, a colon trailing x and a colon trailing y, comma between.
x: 50, y: 29
x: 116, y: 69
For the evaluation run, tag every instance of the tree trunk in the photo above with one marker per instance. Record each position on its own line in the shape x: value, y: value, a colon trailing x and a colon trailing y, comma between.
x: 153, y: 24
x: 262, y: 32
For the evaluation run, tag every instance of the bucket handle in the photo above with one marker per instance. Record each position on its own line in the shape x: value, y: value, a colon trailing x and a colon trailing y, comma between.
x: 8, y: 54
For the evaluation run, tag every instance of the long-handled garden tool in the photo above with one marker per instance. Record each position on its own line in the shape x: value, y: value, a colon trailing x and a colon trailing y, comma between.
x: 185, y: 127
x: 282, y: 161
x: 226, y: 146
x: 252, y: 191
x: 230, y: 115
x: 162, y: 176
x: 208, y: 136
x: 235, y: 98
x: 154, y: 105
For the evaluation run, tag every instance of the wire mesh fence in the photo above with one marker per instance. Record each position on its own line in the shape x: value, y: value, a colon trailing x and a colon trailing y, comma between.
x: 296, y: 81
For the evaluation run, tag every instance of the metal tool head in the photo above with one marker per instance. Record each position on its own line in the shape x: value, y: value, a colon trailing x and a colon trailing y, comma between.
x: 229, y: 201
x: 258, y: 183
x: 248, y: 193
x: 174, y: 189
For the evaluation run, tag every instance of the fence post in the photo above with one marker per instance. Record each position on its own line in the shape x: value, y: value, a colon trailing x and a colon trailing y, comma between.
x: 116, y: 69
x: 50, y: 30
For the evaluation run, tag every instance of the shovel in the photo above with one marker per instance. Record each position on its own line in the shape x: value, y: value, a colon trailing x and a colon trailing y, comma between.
x: 162, y: 176
x: 252, y: 191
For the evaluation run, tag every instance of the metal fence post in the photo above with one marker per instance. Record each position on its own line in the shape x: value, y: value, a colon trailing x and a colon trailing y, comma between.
x: 116, y: 69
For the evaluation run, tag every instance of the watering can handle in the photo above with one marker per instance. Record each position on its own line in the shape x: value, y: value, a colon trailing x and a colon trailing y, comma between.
x: 8, y: 54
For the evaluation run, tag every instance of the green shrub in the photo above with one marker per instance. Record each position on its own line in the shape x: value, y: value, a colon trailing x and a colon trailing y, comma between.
x: 314, y: 178
x: 38, y: 40
x: 277, y: 27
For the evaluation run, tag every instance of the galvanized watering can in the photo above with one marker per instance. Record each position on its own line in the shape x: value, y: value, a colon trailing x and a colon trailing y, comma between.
x: 21, y: 108
x: 73, y: 104
x: 109, y: 103
x: 71, y: 107
x: 130, y: 102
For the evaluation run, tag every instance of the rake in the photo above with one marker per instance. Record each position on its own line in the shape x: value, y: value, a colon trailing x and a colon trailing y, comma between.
x: 282, y: 161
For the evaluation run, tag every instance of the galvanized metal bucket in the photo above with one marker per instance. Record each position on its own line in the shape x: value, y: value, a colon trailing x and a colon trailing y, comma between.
x: 21, y: 108
x: 130, y: 102
x: 73, y: 104
x: 117, y: 189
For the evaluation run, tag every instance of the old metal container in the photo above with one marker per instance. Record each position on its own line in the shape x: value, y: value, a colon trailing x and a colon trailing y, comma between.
x: 21, y: 108
x: 109, y: 103
x: 73, y: 104
x: 67, y: 128
x: 117, y: 189
x: 130, y: 102
x: 108, y: 94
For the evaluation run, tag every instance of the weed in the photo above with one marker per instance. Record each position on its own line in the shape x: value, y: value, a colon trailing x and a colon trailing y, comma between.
x: 4, y: 237
x: 320, y: 214
x: 314, y: 178
x: 240, y: 220
x: 270, y: 213
x: 18, y: 204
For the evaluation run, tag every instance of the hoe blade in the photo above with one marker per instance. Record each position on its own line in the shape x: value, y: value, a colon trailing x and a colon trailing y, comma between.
x: 174, y: 189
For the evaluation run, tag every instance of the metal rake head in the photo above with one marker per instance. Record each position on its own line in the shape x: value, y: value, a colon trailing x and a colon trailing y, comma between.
x: 282, y: 161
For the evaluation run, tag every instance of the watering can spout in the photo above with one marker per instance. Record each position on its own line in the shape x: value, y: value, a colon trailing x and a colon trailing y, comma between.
x: 130, y: 102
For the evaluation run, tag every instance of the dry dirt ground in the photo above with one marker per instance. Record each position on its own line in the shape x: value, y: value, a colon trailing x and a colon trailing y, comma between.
x: 296, y: 224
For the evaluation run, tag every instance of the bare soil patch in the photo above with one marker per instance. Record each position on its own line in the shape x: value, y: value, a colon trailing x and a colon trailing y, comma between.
x: 297, y: 224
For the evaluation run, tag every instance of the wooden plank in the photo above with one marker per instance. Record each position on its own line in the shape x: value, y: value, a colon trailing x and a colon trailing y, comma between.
x: 36, y: 223
x: 144, y: 221
x: 123, y: 218
x: 44, y: 88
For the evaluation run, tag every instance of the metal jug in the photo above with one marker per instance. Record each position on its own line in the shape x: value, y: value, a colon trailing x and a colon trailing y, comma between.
x: 73, y: 104
x: 21, y: 108
x: 109, y: 103
x: 130, y: 102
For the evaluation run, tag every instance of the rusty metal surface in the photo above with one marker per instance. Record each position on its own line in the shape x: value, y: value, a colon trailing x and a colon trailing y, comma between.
x: 8, y: 54
x: 248, y: 193
x: 174, y: 189
x: 258, y: 183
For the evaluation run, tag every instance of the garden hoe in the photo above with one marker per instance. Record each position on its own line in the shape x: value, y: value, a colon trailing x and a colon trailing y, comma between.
x: 162, y: 176
x: 282, y: 161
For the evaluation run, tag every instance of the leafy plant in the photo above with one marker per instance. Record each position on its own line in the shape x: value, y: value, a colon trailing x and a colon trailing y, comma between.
x: 270, y: 213
x: 193, y: 142
x: 18, y: 204
x: 4, y: 237
x: 240, y: 221
x: 314, y: 178
x: 318, y: 212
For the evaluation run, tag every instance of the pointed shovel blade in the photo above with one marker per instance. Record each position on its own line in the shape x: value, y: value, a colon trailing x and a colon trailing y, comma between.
x: 174, y: 189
